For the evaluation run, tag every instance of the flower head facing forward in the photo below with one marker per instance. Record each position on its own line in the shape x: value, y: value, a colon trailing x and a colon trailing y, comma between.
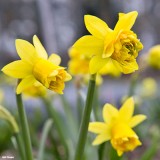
x: 117, y: 127
x: 36, y: 66
x: 120, y: 45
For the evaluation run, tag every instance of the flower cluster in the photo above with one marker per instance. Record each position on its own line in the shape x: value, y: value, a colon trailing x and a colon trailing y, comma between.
x: 105, y: 51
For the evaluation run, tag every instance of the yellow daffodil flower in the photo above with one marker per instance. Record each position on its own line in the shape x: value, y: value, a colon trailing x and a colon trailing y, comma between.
x: 37, y: 90
x: 149, y: 87
x: 79, y: 65
x: 36, y: 66
x: 117, y: 127
x: 119, y: 46
x: 154, y: 57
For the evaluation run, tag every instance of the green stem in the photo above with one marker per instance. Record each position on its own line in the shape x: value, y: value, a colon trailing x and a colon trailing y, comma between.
x: 85, y: 120
x: 80, y: 105
x: 96, y: 104
x: 53, y: 114
x: 20, y: 146
x: 101, y: 151
x: 45, y: 132
x: 25, y: 128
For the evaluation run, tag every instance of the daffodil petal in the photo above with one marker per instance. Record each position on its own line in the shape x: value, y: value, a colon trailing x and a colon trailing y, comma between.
x: 111, y: 69
x: 117, y: 65
x: 127, y: 109
x: 18, y: 69
x: 55, y: 59
x: 99, y: 80
x: 108, y: 51
x: 89, y: 45
x: 135, y: 120
x: 97, y: 63
x: 26, y: 51
x: 73, y: 53
x: 96, y: 26
x: 109, y: 113
x: 129, y: 67
x: 97, y: 127
x: 126, y: 21
x: 121, y: 15
x: 119, y: 153
x: 101, y: 138
x: 39, y: 48
x: 25, y: 83
x: 68, y: 77
x: 126, y: 68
